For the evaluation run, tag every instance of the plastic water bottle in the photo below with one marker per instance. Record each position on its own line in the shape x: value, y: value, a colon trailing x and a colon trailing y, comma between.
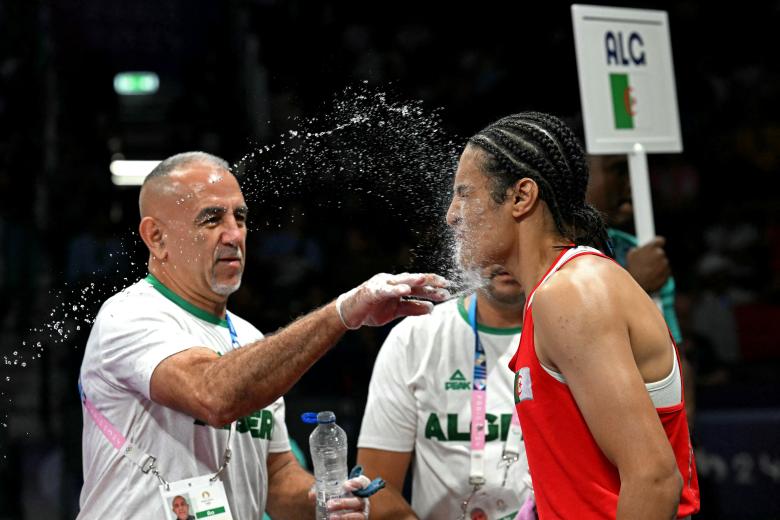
x: 328, y: 443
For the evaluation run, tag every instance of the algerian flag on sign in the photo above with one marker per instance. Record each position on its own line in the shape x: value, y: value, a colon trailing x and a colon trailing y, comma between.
x: 631, y: 100
x: 622, y: 101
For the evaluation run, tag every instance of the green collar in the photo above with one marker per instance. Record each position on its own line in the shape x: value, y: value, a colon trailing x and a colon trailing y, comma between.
x: 184, y: 304
x: 503, y: 331
x: 622, y: 235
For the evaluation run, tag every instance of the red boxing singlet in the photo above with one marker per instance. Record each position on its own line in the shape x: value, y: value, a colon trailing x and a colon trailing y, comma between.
x: 572, y: 477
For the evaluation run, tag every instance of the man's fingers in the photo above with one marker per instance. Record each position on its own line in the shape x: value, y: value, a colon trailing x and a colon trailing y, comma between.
x: 346, y: 504
x: 419, y: 279
x: 423, y: 285
x: 428, y: 286
x: 393, y: 291
x: 348, y: 516
x: 657, y: 242
x: 434, y: 280
x: 435, y: 294
x: 356, y: 483
x: 413, y: 308
x: 406, y: 294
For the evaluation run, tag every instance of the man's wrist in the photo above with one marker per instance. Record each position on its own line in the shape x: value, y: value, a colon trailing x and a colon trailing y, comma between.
x: 340, y: 310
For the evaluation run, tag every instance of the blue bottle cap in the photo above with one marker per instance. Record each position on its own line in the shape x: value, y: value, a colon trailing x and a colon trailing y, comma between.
x: 309, y: 417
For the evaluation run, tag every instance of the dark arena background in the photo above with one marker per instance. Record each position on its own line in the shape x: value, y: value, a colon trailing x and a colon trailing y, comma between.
x: 344, y: 121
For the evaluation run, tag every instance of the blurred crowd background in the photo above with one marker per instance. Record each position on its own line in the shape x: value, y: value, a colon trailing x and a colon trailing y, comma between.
x: 236, y: 75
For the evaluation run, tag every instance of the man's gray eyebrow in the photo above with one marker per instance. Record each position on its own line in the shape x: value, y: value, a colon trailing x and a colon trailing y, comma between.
x: 209, y: 211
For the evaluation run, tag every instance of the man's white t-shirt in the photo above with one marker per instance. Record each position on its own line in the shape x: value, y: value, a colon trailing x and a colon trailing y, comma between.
x: 133, y: 332
x: 419, y: 400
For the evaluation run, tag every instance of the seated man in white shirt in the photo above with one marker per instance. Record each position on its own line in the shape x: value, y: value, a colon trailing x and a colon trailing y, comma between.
x: 419, y: 409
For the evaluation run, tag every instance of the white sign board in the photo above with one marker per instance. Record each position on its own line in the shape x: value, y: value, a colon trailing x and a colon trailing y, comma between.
x: 627, y: 88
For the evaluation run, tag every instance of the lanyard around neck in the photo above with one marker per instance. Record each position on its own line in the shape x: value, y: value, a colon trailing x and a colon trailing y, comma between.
x: 514, y: 437
x: 478, y: 403
x: 143, y: 460
x: 232, y: 329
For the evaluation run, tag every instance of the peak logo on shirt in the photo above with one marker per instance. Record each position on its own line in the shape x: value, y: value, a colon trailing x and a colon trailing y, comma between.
x: 523, y: 388
x: 457, y: 382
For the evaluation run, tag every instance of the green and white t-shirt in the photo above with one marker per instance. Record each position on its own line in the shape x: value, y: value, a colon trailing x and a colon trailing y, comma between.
x: 419, y: 400
x: 133, y: 332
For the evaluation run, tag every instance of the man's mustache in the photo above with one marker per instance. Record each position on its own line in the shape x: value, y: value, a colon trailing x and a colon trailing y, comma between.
x: 228, y: 252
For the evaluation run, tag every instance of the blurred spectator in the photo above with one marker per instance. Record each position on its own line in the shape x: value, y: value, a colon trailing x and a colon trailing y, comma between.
x: 609, y: 191
x: 712, y: 316
x: 710, y: 368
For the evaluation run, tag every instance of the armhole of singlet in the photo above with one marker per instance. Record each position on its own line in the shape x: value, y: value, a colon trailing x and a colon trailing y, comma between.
x: 555, y: 375
x: 667, y: 391
x: 664, y: 392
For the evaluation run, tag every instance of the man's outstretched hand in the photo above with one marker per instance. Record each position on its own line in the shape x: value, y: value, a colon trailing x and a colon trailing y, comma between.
x: 386, y: 297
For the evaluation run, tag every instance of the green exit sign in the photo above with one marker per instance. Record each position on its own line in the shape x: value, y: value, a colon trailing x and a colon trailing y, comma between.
x: 136, y: 83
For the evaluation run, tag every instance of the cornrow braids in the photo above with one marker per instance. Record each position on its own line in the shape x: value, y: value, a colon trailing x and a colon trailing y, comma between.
x: 541, y: 147
x: 533, y: 162
x: 553, y: 150
x: 572, y: 144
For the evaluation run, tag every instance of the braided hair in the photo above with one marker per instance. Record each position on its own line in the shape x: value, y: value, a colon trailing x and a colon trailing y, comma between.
x: 541, y: 147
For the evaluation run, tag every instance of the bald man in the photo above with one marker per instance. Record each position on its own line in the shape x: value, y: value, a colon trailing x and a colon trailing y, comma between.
x: 181, y: 508
x: 167, y: 370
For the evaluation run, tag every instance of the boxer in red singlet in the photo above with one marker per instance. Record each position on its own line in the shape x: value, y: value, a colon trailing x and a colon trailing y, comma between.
x: 598, y: 384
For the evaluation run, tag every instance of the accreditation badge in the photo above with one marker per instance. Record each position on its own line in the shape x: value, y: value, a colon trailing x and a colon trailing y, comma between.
x: 493, y: 504
x: 195, y: 498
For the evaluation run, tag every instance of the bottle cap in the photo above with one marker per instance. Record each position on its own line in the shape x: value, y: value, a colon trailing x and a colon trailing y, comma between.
x: 326, y: 417
x: 309, y: 417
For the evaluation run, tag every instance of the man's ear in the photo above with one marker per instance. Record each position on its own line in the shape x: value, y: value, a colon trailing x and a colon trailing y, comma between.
x: 524, y: 193
x: 154, y: 238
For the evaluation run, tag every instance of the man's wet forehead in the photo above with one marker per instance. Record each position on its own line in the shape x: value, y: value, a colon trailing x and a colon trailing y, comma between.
x: 198, y: 178
x: 210, y: 186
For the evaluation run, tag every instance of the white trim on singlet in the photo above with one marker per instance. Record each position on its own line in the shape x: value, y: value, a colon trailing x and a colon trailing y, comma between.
x: 663, y: 393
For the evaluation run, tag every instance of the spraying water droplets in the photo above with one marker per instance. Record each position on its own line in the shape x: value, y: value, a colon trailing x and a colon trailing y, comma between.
x: 364, y: 149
